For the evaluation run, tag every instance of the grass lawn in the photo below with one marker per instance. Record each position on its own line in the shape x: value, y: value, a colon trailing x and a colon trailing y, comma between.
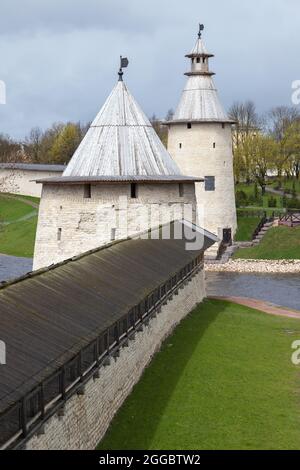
x: 17, y: 238
x: 246, y: 227
x: 288, y: 184
x: 278, y: 243
x: 12, y: 209
x: 223, y: 380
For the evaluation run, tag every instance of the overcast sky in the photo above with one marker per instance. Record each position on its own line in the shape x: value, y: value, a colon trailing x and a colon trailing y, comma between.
x: 59, y: 58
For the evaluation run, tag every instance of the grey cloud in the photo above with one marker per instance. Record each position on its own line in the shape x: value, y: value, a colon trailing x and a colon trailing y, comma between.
x: 59, y: 59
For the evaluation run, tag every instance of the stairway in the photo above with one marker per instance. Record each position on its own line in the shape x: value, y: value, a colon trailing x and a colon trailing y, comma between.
x: 262, y: 232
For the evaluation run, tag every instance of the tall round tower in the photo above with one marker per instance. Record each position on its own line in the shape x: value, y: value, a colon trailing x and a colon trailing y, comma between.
x: 200, y: 142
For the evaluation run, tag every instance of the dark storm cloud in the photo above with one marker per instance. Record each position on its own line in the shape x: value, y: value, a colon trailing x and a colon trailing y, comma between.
x: 59, y: 58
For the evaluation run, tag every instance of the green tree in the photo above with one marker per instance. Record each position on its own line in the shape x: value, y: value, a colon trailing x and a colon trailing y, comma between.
x: 66, y: 143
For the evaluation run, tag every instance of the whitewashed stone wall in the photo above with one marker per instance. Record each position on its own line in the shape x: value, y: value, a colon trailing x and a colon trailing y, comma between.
x: 88, y: 416
x: 18, y: 181
x: 198, y: 157
x: 87, y: 223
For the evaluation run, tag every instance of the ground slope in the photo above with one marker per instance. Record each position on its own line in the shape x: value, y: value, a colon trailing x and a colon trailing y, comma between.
x: 18, y: 220
x: 223, y: 380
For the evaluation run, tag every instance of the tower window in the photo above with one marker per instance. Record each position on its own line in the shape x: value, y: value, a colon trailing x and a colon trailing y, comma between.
x: 113, y: 234
x: 214, y: 145
x: 59, y: 230
x: 133, y: 191
x: 203, y: 60
x: 223, y: 125
x: 189, y: 125
x: 198, y: 60
x: 181, y: 190
x: 209, y: 183
x: 87, y: 191
x: 180, y: 146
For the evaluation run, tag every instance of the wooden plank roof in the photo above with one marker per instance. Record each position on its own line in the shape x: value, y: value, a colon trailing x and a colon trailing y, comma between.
x: 50, y: 315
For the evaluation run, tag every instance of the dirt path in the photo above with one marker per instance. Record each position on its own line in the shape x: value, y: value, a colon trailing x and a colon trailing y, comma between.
x: 279, y: 192
x: 265, y: 307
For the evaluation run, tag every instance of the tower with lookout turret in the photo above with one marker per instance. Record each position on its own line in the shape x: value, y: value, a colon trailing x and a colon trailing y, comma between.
x: 200, y: 142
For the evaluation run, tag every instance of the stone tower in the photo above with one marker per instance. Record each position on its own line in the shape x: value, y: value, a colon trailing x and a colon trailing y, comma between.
x: 120, y: 181
x: 199, y: 140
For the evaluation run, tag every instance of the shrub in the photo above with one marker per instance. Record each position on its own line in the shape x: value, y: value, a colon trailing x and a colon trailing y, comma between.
x: 272, y: 201
x: 241, y: 198
x: 292, y: 203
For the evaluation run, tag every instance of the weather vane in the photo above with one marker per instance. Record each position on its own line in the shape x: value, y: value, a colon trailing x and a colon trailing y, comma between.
x: 201, y: 28
x: 123, y: 63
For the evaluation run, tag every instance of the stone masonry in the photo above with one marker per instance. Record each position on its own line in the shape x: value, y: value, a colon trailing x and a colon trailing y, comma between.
x: 87, y: 417
x: 70, y: 224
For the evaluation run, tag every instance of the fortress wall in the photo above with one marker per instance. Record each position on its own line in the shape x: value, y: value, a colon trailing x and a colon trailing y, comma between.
x: 18, y: 181
x: 87, y: 223
x: 87, y: 417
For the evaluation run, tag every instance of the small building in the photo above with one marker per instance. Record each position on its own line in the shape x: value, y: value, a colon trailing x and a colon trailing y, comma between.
x: 120, y: 181
x: 19, y: 178
x: 200, y: 142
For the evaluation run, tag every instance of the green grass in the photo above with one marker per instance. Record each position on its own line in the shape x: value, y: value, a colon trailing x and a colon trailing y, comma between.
x: 287, y: 184
x: 278, y: 243
x: 223, y: 380
x: 17, y: 238
x: 246, y: 227
x: 12, y: 209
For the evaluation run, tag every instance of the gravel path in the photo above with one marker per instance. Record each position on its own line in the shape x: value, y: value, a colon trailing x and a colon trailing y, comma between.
x: 265, y: 307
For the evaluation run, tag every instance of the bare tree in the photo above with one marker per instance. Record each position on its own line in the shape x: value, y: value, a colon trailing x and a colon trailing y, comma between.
x: 33, y: 144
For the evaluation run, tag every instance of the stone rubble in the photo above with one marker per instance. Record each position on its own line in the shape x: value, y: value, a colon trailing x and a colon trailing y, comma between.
x: 256, y: 266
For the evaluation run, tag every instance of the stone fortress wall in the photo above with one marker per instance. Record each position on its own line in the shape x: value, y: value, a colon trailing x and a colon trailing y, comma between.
x: 70, y: 224
x: 21, y: 181
x: 86, y: 417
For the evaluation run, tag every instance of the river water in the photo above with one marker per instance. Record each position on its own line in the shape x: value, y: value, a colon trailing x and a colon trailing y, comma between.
x: 11, y: 267
x: 280, y: 289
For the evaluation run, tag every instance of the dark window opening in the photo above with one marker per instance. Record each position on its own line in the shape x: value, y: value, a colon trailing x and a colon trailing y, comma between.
x: 59, y: 234
x: 181, y: 189
x: 113, y: 234
x: 203, y: 60
x: 87, y: 191
x: 214, y: 145
x: 227, y: 236
x: 180, y: 146
x: 223, y: 125
x: 192, y: 61
x: 198, y: 60
x: 189, y: 125
x: 133, y: 191
x: 209, y: 183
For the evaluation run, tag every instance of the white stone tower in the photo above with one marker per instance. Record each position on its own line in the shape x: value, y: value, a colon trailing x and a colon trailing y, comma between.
x: 199, y: 140
x: 120, y: 181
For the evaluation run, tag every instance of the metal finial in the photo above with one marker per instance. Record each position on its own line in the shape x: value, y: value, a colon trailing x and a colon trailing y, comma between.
x: 201, y: 28
x: 123, y: 63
